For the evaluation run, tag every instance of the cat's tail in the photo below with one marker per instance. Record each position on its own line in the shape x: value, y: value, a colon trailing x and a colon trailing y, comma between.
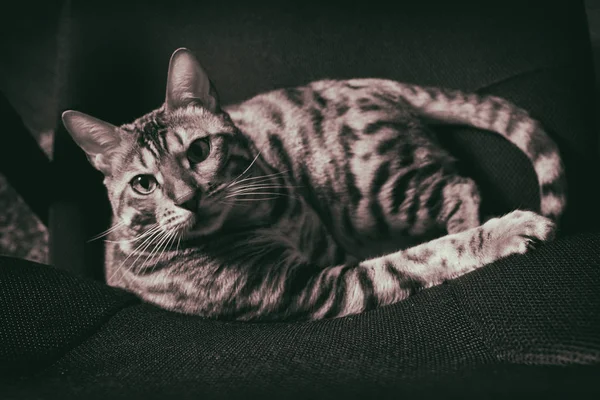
x: 498, y: 115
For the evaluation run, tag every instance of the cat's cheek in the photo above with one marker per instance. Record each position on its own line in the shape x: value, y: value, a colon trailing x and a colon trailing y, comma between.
x: 127, y: 215
x: 138, y: 220
x: 210, y: 169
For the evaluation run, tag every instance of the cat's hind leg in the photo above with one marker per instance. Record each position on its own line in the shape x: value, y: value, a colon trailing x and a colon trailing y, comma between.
x: 430, y: 198
x: 460, y: 202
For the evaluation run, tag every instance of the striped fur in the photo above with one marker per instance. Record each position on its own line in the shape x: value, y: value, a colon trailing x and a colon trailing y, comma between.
x: 314, y: 202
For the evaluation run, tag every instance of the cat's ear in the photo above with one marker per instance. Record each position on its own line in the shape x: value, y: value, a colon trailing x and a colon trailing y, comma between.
x: 97, y: 138
x: 188, y: 82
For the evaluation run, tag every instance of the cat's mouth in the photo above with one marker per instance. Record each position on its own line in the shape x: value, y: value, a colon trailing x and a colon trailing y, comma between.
x: 206, y: 219
x: 179, y: 224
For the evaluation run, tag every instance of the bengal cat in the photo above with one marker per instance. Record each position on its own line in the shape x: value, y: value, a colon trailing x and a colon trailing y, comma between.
x: 310, y: 202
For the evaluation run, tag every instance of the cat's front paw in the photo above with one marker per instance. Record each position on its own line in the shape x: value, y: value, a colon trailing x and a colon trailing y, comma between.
x: 516, y: 233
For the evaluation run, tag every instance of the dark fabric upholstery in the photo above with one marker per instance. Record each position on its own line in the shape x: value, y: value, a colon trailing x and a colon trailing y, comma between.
x: 529, y: 323
x: 535, y: 53
x: 47, y: 310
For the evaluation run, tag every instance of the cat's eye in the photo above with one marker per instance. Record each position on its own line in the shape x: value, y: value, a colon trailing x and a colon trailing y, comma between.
x: 198, y: 150
x: 144, y: 184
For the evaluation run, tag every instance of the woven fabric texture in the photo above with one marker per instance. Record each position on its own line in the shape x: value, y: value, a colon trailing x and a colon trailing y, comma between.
x: 539, y: 310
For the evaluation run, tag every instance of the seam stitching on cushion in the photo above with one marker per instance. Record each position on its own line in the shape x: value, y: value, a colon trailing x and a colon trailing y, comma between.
x: 509, y: 78
x: 492, y: 350
x: 519, y: 75
x: 85, y: 335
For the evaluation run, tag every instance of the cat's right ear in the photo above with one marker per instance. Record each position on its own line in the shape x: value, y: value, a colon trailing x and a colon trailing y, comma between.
x: 188, y: 82
x: 97, y: 138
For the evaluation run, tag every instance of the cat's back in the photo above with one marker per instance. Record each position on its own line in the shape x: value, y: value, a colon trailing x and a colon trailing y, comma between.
x: 322, y: 100
x: 324, y: 120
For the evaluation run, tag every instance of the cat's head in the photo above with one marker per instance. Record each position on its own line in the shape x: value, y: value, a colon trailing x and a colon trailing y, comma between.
x: 163, y: 169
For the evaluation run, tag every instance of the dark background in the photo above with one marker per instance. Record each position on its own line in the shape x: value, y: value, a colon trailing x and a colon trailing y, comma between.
x: 29, y: 39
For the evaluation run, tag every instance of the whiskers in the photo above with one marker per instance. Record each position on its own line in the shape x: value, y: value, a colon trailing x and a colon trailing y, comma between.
x: 260, y: 188
x: 254, y: 188
x: 155, y: 241
x: 107, y: 232
x: 139, y: 237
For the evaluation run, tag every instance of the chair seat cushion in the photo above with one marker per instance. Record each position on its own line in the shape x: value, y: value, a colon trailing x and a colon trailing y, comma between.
x: 523, y: 323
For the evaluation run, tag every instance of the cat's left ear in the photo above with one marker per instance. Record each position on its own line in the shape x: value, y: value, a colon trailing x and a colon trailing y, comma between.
x: 97, y: 138
x: 188, y: 82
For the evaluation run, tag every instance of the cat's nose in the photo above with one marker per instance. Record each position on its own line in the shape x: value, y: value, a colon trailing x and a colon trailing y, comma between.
x: 191, y: 203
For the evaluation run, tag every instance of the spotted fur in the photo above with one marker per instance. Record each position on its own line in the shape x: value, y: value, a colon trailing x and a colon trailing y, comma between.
x: 313, y: 202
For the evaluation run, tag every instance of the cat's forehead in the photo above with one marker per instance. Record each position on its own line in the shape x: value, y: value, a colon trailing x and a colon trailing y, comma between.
x: 162, y: 134
x: 194, y: 121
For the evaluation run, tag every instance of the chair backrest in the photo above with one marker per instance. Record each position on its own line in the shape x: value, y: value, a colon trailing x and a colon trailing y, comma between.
x: 534, y: 53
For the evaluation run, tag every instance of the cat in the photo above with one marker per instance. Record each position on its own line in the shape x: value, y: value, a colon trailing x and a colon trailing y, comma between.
x: 312, y: 202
